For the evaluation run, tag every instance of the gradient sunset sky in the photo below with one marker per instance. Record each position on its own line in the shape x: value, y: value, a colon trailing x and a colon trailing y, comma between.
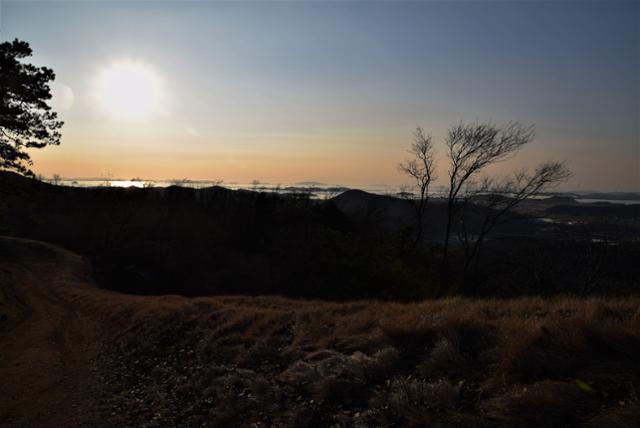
x: 331, y: 92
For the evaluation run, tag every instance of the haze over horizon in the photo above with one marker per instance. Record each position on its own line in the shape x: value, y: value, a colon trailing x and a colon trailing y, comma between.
x: 331, y: 92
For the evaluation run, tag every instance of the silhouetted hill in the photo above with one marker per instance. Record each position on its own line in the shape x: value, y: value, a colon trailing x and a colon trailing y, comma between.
x: 556, y: 200
x: 12, y: 183
x: 358, y: 245
x: 386, y: 210
x: 178, y: 240
x: 613, y: 196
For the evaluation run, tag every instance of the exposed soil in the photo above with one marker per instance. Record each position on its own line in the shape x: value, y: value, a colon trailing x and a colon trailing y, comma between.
x: 47, y: 360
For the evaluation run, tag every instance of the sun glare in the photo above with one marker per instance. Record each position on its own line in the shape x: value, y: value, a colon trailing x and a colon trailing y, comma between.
x: 130, y: 90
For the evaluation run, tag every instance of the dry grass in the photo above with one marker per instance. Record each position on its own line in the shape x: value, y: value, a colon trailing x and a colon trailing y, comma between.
x: 453, y: 362
x: 267, y: 361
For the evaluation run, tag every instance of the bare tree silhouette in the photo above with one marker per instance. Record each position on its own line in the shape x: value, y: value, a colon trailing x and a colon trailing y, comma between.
x: 422, y: 169
x: 470, y: 149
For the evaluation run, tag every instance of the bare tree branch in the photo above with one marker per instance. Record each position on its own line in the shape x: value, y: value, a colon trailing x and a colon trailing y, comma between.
x: 422, y: 169
x: 471, y: 148
x: 503, y: 196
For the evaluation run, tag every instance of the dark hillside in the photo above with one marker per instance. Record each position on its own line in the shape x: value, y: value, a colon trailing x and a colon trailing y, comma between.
x: 209, y: 241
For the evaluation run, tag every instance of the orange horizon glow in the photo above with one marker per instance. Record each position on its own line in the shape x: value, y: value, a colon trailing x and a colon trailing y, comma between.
x: 331, y: 92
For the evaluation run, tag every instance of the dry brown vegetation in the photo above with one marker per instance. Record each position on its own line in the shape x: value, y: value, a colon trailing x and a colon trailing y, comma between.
x: 268, y: 361
x: 233, y: 361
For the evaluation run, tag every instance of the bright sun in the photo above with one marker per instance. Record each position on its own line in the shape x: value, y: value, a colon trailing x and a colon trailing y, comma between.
x: 130, y: 90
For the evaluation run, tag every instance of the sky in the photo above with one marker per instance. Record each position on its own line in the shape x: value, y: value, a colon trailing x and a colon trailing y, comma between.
x: 331, y: 92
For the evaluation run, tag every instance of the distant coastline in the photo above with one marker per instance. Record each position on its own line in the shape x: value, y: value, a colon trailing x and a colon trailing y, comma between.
x: 321, y: 190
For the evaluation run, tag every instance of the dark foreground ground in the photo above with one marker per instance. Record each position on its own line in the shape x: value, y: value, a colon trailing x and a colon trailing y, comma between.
x: 75, y: 355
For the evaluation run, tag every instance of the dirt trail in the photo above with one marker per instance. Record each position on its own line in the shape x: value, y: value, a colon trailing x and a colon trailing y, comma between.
x: 47, y: 361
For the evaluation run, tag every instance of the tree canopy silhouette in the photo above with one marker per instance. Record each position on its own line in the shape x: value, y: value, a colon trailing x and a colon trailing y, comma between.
x: 26, y: 120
